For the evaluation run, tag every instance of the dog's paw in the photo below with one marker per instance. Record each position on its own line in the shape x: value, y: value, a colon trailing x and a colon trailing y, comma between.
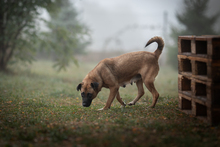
x: 151, y: 106
x: 123, y: 106
x: 103, y: 109
x: 131, y: 103
x: 100, y: 109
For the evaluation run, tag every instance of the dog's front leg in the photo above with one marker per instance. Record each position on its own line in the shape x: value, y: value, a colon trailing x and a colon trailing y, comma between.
x: 123, y: 104
x: 113, y: 92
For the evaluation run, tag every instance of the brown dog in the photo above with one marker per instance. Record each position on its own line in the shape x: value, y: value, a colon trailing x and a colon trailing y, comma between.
x: 139, y: 67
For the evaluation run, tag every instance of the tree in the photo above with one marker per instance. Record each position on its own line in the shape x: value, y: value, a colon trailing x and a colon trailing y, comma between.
x: 194, y: 21
x: 67, y: 36
x: 18, y: 29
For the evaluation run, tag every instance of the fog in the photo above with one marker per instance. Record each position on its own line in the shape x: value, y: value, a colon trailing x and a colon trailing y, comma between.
x: 129, y: 24
x: 125, y: 24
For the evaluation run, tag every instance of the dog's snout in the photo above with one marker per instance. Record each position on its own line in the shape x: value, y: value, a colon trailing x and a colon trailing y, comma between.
x: 86, y: 101
x: 86, y: 104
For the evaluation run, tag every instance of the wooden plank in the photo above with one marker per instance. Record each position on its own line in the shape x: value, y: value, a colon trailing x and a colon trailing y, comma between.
x: 187, y: 74
x: 193, y: 57
x: 189, y: 112
x: 200, y: 100
x: 215, y: 48
x: 185, y: 96
x: 206, y: 37
x: 194, y: 77
x: 187, y: 37
x: 193, y: 46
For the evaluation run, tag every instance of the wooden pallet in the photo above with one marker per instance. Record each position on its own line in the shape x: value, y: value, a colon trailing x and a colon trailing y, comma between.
x: 200, y: 109
x: 200, y: 68
x: 200, y: 46
x: 199, y: 77
x: 198, y: 89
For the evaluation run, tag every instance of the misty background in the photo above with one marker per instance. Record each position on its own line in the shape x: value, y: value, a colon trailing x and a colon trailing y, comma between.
x: 130, y: 24
x: 123, y: 26
x: 89, y: 30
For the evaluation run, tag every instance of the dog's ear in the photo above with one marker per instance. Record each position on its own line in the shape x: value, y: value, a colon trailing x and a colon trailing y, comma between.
x: 94, y: 85
x: 79, y: 86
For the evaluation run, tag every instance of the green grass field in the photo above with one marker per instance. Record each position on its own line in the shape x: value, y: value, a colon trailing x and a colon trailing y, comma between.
x: 40, y: 107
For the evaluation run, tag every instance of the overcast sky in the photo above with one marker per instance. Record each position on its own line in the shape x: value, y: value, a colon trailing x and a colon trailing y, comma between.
x: 128, y: 24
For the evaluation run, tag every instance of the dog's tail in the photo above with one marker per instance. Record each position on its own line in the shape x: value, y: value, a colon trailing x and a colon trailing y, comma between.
x: 160, y: 43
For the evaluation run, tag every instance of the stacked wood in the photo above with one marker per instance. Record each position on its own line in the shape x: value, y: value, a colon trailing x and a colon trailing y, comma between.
x: 199, y: 77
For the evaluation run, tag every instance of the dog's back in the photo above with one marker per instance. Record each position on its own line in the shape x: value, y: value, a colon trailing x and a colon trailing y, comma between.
x: 130, y: 64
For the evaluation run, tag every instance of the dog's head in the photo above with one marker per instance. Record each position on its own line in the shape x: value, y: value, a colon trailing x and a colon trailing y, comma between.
x: 89, y: 91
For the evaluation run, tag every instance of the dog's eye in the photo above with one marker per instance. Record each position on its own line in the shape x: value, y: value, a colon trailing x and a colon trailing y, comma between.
x: 83, y: 94
x: 89, y: 95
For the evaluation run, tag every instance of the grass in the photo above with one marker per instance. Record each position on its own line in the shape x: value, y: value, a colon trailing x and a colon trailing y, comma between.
x: 40, y: 107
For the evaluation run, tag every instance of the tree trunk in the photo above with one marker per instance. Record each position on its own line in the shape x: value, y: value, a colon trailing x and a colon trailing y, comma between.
x: 2, y: 67
x: 2, y: 39
x: 2, y: 54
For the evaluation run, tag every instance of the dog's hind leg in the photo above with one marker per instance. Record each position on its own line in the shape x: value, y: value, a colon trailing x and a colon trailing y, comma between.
x: 155, y: 94
x: 139, y: 84
x: 120, y: 99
